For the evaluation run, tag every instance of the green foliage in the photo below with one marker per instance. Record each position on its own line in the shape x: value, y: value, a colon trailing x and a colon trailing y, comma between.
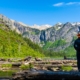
x: 6, y: 65
x: 23, y: 67
x: 14, y: 45
x: 25, y: 33
x: 36, y: 47
x: 35, y: 32
x: 58, y: 43
x: 66, y: 68
x: 6, y: 73
x: 1, y: 25
x: 50, y: 53
x: 32, y: 32
x: 50, y: 45
x: 74, y: 38
x: 42, y: 42
x: 29, y: 66
x: 47, y: 45
x: 70, y: 51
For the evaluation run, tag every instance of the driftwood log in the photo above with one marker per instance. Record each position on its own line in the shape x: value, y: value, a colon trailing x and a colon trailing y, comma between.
x: 46, y: 75
x: 55, y: 63
x: 28, y: 58
x: 16, y: 65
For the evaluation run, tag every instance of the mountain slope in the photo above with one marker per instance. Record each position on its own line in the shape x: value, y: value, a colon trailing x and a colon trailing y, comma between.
x: 59, y: 37
x: 14, y: 45
x: 63, y: 38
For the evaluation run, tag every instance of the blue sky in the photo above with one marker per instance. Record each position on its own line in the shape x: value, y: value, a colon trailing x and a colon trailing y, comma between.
x: 41, y: 11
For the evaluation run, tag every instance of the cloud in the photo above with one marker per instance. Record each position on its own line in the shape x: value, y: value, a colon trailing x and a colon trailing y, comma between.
x: 58, y: 4
x: 66, y: 4
x: 72, y: 3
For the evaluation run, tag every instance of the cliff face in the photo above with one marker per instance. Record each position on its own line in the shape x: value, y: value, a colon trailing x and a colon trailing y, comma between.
x: 58, y: 37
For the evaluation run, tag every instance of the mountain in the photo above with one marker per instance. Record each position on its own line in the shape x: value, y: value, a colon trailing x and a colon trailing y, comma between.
x: 13, y: 44
x: 59, y: 37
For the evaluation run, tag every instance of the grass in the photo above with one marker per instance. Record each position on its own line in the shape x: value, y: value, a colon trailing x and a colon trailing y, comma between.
x: 6, y: 73
x: 66, y: 68
x: 6, y: 65
x: 29, y: 66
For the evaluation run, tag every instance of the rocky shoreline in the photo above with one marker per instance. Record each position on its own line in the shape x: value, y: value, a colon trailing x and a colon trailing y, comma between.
x: 42, y: 69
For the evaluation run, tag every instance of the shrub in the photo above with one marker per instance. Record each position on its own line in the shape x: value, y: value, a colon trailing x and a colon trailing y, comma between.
x: 29, y: 66
x: 66, y: 68
x: 6, y: 65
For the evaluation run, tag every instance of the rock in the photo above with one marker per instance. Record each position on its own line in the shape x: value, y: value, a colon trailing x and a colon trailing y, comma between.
x: 38, y: 59
x: 1, y: 59
x: 27, y: 58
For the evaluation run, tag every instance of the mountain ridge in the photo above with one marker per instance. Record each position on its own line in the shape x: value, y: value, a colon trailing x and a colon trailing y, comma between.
x: 60, y: 36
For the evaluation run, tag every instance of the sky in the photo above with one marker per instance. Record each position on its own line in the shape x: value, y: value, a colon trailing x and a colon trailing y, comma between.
x: 41, y: 12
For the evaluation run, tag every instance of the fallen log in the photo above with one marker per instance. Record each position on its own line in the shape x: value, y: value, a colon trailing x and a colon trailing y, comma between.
x: 14, y: 65
x: 46, y: 75
x: 56, y: 65
x: 55, y: 62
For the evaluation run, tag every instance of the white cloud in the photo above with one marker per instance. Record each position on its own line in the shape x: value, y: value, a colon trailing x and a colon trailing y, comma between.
x: 66, y: 4
x: 58, y: 4
x: 72, y: 3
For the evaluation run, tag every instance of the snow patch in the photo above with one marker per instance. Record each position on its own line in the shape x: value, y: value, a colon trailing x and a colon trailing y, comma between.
x: 42, y: 27
x: 75, y: 23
